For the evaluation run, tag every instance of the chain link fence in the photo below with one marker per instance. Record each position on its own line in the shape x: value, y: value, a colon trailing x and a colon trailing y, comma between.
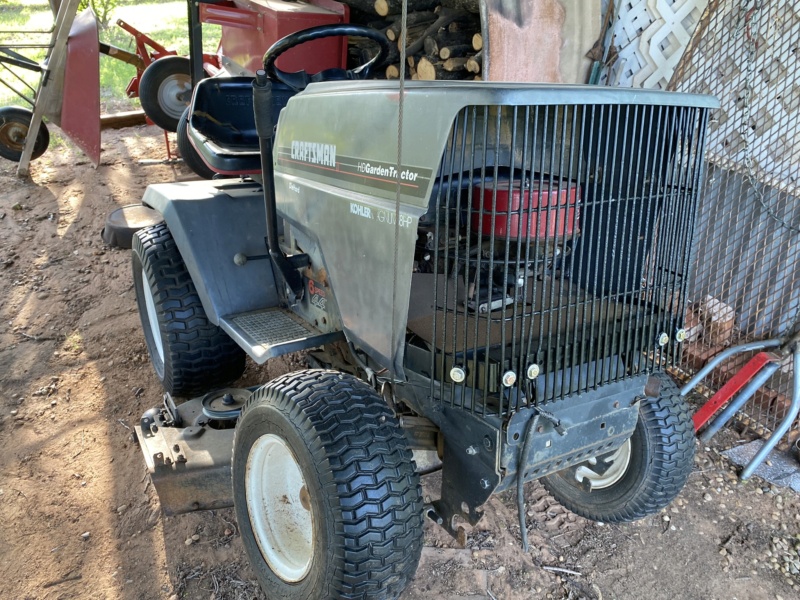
x: 747, y: 283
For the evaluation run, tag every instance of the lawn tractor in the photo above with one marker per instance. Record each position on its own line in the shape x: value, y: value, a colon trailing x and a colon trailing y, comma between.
x: 488, y: 279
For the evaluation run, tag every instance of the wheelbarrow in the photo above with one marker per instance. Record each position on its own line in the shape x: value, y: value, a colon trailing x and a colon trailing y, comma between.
x: 67, y: 92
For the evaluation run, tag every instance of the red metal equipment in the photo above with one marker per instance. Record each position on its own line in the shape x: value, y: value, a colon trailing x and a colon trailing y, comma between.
x: 249, y: 27
x: 731, y: 388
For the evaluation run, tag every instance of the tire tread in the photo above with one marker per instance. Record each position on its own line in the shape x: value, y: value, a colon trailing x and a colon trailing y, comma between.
x: 201, y: 355
x: 356, y: 440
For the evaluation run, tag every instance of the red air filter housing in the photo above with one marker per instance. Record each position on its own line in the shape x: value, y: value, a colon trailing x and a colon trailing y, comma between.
x: 542, y: 209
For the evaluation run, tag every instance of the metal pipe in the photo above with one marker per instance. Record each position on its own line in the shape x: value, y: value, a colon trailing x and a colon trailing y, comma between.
x: 522, y: 464
x: 724, y: 355
x: 791, y: 414
x: 262, y: 108
x: 736, y: 404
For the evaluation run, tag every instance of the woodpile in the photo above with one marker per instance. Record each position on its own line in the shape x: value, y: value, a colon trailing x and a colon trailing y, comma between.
x: 443, y: 40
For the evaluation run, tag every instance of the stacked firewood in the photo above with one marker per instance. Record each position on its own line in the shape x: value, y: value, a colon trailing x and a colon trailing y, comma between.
x: 443, y: 40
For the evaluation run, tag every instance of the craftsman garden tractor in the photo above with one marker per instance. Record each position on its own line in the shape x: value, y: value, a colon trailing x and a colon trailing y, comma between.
x: 488, y: 279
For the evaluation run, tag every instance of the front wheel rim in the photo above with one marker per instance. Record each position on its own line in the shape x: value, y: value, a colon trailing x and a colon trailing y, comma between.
x: 171, y: 92
x: 279, y: 507
x: 599, y: 479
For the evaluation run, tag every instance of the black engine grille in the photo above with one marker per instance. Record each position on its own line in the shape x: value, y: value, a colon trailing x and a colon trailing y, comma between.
x: 558, y: 241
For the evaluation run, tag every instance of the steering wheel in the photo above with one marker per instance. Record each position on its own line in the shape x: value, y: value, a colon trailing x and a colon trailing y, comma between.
x: 298, y: 81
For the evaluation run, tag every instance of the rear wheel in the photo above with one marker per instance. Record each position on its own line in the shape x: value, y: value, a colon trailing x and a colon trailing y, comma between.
x: 642, y: 476
x: 326, y: 496
x: 14, y: 125
x: 189, y: 155
x: 165, y: 90
x: 190, y: 354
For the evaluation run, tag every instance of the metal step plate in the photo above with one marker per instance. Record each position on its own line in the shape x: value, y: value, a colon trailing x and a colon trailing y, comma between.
x: 271, y: 332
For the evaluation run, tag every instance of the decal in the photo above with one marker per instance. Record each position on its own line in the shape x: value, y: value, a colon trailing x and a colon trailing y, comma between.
x: 387, y: 216
x: 323, y: 161
x: 294, y: 188
x: 314, y: 153
x: 317, y: 296
x: 360, y: 210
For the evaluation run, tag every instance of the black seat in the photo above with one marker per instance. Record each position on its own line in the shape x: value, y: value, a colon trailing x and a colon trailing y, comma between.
x: 222, y: 125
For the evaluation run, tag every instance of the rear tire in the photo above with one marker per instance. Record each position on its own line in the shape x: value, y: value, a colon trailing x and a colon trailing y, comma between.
x: 189, y: 155
x: 165, y: 90
x: 14, y: 125
x: 643, y: 476
x: 190, y: 354
x: 326, y: 496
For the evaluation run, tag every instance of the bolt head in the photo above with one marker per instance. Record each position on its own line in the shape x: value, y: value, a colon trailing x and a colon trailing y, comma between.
x: 472, y: 450
x: 533, y: 371
x: 458, y: 375
x: 485, y: 484
x: 509, y: 378
x: 680, y: 335
x: 663, y: 339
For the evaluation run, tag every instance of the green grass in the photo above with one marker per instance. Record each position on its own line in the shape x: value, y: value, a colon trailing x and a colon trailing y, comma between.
x: 166, y: 23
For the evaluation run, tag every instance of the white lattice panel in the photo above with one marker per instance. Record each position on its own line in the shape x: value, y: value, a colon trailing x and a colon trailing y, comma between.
x: 651, y: 36
x: 718, y: 67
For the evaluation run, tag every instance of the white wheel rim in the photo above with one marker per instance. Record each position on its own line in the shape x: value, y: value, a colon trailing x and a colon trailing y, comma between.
x: 169, y: 93
x: 619, y: 461
x: 152, y: 319
x: 279, y: 507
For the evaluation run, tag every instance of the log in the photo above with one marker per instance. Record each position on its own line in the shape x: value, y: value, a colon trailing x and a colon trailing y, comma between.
x: 363, y: 6
x: 455, y: 64
x: 477, y: 41
x: 475, y: 63
x: 473, y: 6
x: 393, y: 72
x: 415, y: 32
x: 446, y: 16
x: 122, y: 119
x: 417, y: 18
x: 431, y: 46
x: 455, y: 51
x: 395, y: 7
x: 465, y: 23
x: 432, y: 71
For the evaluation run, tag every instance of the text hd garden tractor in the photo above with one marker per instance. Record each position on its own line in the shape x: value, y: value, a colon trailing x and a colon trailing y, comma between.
x: 490, y: 277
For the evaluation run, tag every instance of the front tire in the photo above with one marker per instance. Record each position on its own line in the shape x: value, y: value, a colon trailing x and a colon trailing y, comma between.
x: 640, y: 478
x: 190, y: 354
x: 165, y: 90
x: 325, y: 492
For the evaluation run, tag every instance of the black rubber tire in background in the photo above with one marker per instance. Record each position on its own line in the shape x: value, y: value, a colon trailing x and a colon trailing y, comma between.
x: 189, y: 155
x: 198, y: 355
x: 365, y: 498
x: 661, y: 459
x: 14, y: 125
x: 158, y: 79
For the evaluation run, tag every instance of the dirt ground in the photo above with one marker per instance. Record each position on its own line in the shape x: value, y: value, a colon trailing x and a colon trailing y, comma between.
x: 80, y: 518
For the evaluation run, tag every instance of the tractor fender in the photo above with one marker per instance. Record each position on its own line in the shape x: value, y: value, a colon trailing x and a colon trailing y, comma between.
x: 211, y: 223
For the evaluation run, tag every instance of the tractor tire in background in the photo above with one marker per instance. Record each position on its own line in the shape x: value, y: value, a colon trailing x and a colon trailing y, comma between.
x: 165, y: 90
x: 326, y: 496
x: 189, y: 155
x: 641, y: 477
x: 190, y: 354
x: 14, y: 125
